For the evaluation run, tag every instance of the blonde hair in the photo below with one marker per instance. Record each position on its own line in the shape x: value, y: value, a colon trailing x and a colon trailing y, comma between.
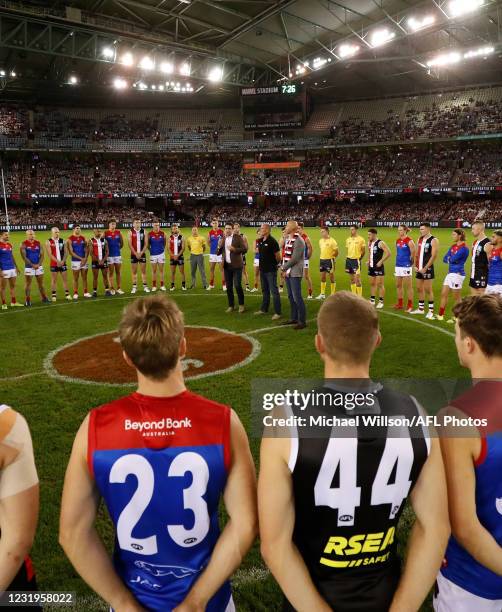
x: 348, y: 325
x: 150, y: 333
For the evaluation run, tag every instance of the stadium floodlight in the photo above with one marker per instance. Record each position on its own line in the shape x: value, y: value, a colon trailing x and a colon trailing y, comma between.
x: 108, y: 53
x: 154, y: 86
x: 147, y: 63
x: 142, y: 85
x: 457, y: 8
x: 319, y: 62
x: 301, y: 68
x: 381, y: 37
x: 2, y: 73
x: 445, y: 59
x: 119, y: 83
x: 481, y: 52
x: 127, y: 59
x: 347, y: 50
x: 73, y: 80
x: 166, y: 68
x: 215, y: 74
x: 13, y: 74
x: 419, y: 24
x: 185, y: 69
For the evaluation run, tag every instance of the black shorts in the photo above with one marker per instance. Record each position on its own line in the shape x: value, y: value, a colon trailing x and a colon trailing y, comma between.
x: 480, y: 281
x: 374, y: 271
x: 429, y: 275
x: 25, y: 580
x: 326, y: 265
x: 135, y: 260
x: 352, y: 266
x: 367, y: 592
x: 59, y: 268
x: 178, y: 262
x: 97, y: 266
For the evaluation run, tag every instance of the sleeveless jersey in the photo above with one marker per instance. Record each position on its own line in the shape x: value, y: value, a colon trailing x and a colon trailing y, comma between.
x: 424, y: 251
x: 79, y: 246
x: 156, y: 242
x: 98, y: 247
x: 484, y: 400
x: 58, y: 249
x: 6, y: 256
x: 175, y: 244
x: 479, y: 259
x: 113, y: 239
x: 403, y: 253
x: 305, y: 238
x: 161, y: 465
x: 495, y: 269
x: 349, y: 495
x: 214, y: 237
x: 33, y: 251
x: 138, y: 239
x: 375, y: 252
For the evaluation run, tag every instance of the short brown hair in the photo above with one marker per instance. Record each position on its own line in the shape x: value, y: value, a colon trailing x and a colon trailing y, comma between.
x: 348, y: 325
x: 480, y: 318
x: 150, y: 333
x: 460, y: 233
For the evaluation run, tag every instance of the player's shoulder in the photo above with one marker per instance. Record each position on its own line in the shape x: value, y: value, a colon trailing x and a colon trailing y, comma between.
x: 8, y: 418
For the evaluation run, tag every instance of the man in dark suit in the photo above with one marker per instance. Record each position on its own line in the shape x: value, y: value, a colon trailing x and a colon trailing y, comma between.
x: 233, y: 247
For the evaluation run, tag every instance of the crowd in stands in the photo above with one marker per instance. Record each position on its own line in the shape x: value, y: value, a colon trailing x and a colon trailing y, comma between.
x: 434, y: 121
x: 276, y: 211
x: 336, y: 170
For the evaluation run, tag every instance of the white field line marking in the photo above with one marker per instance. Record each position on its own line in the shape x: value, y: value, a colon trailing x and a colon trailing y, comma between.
x: 110, y: 299
x: 51, y: 371
x: 21, y: 376
x: 272, y: 327
x: 419, y: 321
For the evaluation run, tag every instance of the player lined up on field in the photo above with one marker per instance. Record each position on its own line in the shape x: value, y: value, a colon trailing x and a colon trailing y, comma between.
x: 104, y: 250
x: 163, y: 457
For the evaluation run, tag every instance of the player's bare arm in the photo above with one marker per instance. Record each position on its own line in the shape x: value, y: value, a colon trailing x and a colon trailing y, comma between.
x: 52, y: 259
x: 19, y: 503
x: 386, y: 254
x: 276, y: 509
x: 133, y: 250
x: 78, y: 535
x: 428, y: 537
x: 22, y: 250
x: 459, y: 455
x: 241, y: 528
x: 310, y: 249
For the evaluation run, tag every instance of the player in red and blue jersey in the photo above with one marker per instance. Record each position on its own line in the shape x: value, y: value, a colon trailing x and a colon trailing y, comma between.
x: 33, y: 256
x: 405, y: 254
x: 495, y: 265
x: 455, y: 258
x: 156, y: 244
x: 8, y: 270
x: 115, y: 243
x: 78, y: 248
x: 471, y: 576
x: 161, y: 458
x: 215, y: 234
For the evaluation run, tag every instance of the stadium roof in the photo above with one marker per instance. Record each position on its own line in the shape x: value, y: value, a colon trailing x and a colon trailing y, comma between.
x: 252, y: 42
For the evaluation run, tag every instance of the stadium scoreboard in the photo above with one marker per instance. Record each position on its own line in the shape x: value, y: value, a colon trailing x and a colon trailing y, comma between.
x: 280, y: 106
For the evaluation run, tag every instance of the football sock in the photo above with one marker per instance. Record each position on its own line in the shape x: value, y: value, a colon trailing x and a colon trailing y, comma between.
x: 323, y: 288
x: 333, y: 288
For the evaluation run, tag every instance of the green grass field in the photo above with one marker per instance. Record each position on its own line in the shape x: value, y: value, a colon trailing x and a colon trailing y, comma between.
x: 411, y: 348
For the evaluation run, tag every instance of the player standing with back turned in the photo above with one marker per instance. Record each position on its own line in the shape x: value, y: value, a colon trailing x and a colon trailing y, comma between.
x: 161, y: 458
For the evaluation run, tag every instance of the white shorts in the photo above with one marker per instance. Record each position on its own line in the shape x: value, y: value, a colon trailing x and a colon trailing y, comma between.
x: 402, y: 272
x: 114, y: 260
x: 452, y: 598
x: 78, y: 265
x: 256, y: 263
x: 496, y: 289
x: 9, y: 273
x: 215, y: 258
x: 305, y: 264
x: 32, y: 272
x: 158, y: 259
x: 454, y: 281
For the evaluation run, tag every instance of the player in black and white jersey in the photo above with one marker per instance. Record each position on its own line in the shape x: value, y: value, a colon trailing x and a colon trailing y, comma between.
x: 330, y: 503
x: 378, y: 252
x: 425, y: 256
x: 481, y: 249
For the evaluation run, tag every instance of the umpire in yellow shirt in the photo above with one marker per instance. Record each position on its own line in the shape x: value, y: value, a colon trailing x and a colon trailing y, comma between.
x: 197, y: 245
x: 328, y: 252
x: 356, y: 247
